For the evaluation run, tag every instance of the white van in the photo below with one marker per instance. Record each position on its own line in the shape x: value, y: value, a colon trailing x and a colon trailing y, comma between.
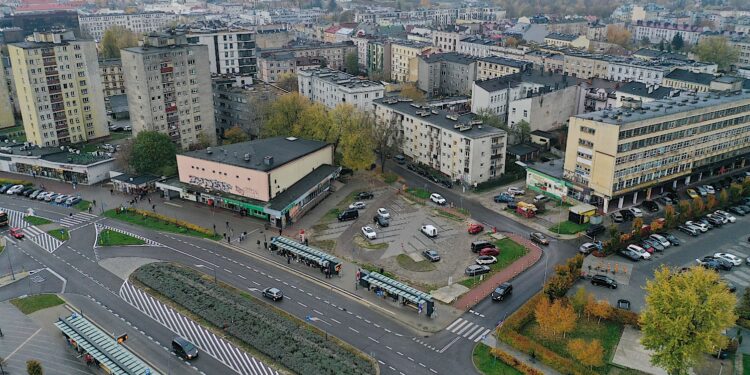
x: 429, y: 231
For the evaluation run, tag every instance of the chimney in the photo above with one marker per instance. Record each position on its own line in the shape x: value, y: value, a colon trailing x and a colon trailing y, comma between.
x: 247, y: 157
x: 268, y: 160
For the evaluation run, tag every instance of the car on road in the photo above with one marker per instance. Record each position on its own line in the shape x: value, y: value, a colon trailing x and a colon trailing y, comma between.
x: 731, y: 258
x: 16, y: 233
x: 357, y: 206
x: 476, y: 270
x: 429, y: 230
x: 538, y: 238
x: 630, y: 254
x: 431, y: 255
x: 640, y: 251
x: 663, y: 241
x: 384, y: 213
x: 651, y: 206
x: 5, y: 188
x: 381, y: 221
x: 692, y: 193
x: 485, y: 259
x: 184, y: 348
x: 502, y: 291
x: 689, y: 230
x: 627, y: 215
x: 636, y: 211
x: 438, y: 199
x: 492, y: 251
x: 273, y: 293
x: 516, y: 191
x: 698, y: 225
x: 617, y: 217
x: 400, y: 159
x: 369, y: 233
x: 709, y: 189
x: 602, y: 280
x: 362, y: 195
x: 503, y: 198
x: 475, y: 228
x: 595, y: 229
x: 350, y: 214
x: 587, y: 248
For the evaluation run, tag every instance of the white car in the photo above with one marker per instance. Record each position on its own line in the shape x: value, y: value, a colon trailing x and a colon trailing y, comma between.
x: 437, y: 198
x: 640, y: 251
x: 709, y: 189
x: 382, y: 212
x: 516, y: 191
x: 429, y: 230
x: 357, y: 206
x: 700, y: 226
x: 735, y: 260
x: 486, y: 259
x: 636, y: 211
x: 727, y: 215
x: 14, y: 189
x: 369, y: 233
x: 661, y: 240
x: 587, y: 248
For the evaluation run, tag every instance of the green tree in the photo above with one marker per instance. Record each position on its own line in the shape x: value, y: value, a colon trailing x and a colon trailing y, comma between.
x: 357, y: 143
x: 661, y: 45
x: 153, y: 153
x: 235, y: 135
x: 387, y: 139
x: 615, y: 240
x: 283, y: 113
x: 491, y: 119
x: 743, y: 309
x: 33, y: 367
x: 288, y: 82
x: 522, y: 131
x: 352, y: 63
x: 716, y: 49
x: 579, y: 300
x: 116, y: 38
x: 645, y: 41
x: 678, y: 42
x: 686, y: 210
x: 684, y: 317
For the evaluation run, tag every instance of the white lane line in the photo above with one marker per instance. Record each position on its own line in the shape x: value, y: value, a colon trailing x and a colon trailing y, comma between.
x: 354, y: 330
x: 373, y: 340
x: 301, y: 304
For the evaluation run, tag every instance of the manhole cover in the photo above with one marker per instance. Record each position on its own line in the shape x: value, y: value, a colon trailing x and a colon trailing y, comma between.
x: 37, y: 279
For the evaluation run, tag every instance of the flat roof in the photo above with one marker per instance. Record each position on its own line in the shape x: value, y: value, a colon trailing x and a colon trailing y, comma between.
x: 52, y: 154
x: 453, y: 57
x: 688, y: 76
x: 644, y: 90
x: 340, y: 78
x: 522, y: 149
x: 561, y: 36
x: 531, y: 76
x: 288, y: 196
x: 552, y: 168
x: 136, y: 179
x: 281, y: 149
x: 505, y: 61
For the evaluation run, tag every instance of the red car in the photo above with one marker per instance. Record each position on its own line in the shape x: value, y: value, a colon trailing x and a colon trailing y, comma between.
x: 490, y: 251
x: 475, y: 228
x: 16, y: 232
x: 646, y: 246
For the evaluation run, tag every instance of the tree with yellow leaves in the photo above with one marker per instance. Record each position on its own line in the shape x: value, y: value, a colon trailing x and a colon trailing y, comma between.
x: 410, y: 91
x: 599, y: 309
x: 589, y: 353
x: 619, y: 35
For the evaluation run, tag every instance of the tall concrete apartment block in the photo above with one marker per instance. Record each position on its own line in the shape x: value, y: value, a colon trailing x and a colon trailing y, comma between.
x: 59, y: 89
x: 230, y: 51
x: 168, y: 84
x: 6, y: 109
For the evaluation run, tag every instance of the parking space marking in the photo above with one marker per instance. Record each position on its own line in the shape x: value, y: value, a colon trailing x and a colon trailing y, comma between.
x: 737, y: 280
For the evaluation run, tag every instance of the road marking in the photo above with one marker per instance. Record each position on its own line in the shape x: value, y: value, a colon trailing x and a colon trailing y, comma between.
x: 373, y: 340
x: 482, y: 336
x: 449, y: 344
x: 450, y: 327
x: 737, y: 280
x: 335, y: 320
x: 353, y: 329
x: 422, y: 364
x: 22, y: 344
x: 301, y: 304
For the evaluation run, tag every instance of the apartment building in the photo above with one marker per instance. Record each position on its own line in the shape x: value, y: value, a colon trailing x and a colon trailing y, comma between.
x: 585, y: 65
x: 59, y: 89
x: 230, y: 50
x: 434, y: 16
x: 496, y: 66
x: 687, y: 80
x: 332, y: 87
x: 113, y: 82
x: 567, y: 40
x: 273, y: 67
x: 333, y: 54
x: 6, y: 107
x: 656, y: 32
x: 458, y: 146
x: 446, y: 39
x: 379, y: 59
x: 241, y: 105
x: 446, y: 73
x: 742, y: 45
x: 94, y: 25
x: 632, y: 153
x: 574, y: 26
x: 481, y: 47
x: 404, y: 63
x: 168, y: 84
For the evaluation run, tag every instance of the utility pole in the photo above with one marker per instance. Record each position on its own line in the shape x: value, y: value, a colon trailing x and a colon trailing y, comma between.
x: 13, y: 275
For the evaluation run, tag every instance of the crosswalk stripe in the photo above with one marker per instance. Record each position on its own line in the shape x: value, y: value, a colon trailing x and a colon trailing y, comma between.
x: 739, y: 253
x: 455, y: 330
x: 484, y: 334
x: 450, y: 327
x: 742, y: 273
x: 745, y: 244
x: 480, y: 328
x: 79, y: 218
x: 461, y: 332
x: 737, y: 280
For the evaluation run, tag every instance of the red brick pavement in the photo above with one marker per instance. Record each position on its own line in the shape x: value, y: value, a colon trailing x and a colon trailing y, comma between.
x: 482, y: 290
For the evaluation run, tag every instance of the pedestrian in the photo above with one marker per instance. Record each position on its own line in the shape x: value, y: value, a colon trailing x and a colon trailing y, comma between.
x: 153, y: 207
x: 89, y: 209
x: 227, y: 224
x: 229, y: 240
x: 306, y: 242
x: 149, y: 200
x: 93, y: 202
x: 214, y: 228
x: 111, y: 191
x: 280, y: 230
x: 288, y: 260
x: 225, y: 234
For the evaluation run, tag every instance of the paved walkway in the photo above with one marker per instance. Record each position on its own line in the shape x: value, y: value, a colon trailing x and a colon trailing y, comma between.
x: 484, y: 289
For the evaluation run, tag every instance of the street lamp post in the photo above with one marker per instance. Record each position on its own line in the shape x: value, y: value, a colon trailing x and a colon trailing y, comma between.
x: 209, y: 268
x: 12, y: 274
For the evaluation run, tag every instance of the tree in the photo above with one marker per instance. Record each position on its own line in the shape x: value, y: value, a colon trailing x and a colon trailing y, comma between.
x: 491, y: 119
x: 387, y: 139
x: 735, y: 192
x: 723, y: 198
x: 619, y: 35
x: 698, y: 206
x: 33, y: 367
x: 511, y: 42
x: 522, y: 131
x: 669, y: 216
x: 711, y: 203
x: 116, y: 38
x: 677, y: 42
x: 579, y: 300
x: 637, y: 225
x: 600, y: 310
x: 684, y: 317
x: 410, y: 91
x: 543, y: 316
x: 715, y: 49
x: 645, y: 41
x: 589, y: 353
x: 204, y: 140
x: 563, y: 315
x: 615, y: 238
x: 283, y: 113
x: 346, y: 16
x: 235, y: 135
x: 686, y: 210
x: 153, y: 153
x: 352, y: 63
x: 743, y: 310
x: 356, y: 143
x: 661, y: 45
x: 288, y: 82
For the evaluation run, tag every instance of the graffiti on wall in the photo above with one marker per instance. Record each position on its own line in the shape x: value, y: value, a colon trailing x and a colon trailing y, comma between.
x: 211, y: 184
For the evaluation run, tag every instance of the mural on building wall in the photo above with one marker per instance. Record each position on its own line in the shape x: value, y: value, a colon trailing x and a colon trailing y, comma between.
x: 211, y: 184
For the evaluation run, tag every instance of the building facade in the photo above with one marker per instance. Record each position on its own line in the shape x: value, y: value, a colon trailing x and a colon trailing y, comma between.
x: 495, y: 66
x: 333, y: 54
x: 7, y: 119
x: 273, y: 67
x: 241, y: 105
x: 656, y: 32
x: 404, y: 64
x: 113, y: 82
x: 94, y: 25
x: 230, y: 51
x: 446, y: 74
x: 457, y: 146
x: 332, y: 87
x: 567, y: 40
x: 168, y: 85
x: 59, y: 89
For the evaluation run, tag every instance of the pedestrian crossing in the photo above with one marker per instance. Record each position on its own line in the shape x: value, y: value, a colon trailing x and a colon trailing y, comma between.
x: 77, y: 219
x: 468, y: 330
x: 41, y: 238
x: 15, y: 218
x: 224, y: 351
x: 148, y: 241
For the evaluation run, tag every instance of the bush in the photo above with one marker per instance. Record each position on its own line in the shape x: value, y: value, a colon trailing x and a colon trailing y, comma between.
x: 624, y: 317
x: 5, y: 181
x: 513, y: 362
x: 390, y: 178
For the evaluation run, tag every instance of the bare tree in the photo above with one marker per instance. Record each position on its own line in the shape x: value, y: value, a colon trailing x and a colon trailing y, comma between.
x: 387, y: 137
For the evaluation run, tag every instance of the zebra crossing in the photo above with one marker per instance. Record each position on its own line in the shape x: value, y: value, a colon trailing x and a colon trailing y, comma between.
x: 224, y: 351
x: 41, y: 238
x: 468, y: 330
x: 148, y: 241
x: 738, y: 275
x: 15, y: 218
x: 77, y: 219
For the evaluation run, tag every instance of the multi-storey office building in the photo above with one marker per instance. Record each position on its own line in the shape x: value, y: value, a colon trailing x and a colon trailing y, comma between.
x: 59, y: 89
x: 94, y: 25
x: 168, y: 84
x: 632, y: 153
x: 230, y: 51
x: 332, y: 87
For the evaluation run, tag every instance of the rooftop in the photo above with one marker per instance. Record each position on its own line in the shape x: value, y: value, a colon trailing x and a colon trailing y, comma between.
x: 453, y: 57
x: 504, y: 61
x: 561, y: 36
x: 552, y: 168
x: 531, y: 76
x: 688, y: 76
x: 137, y: 180
x: 62, y: 154
x: 522, y: 149
x: 647, y: 91
x: 340, y: 78
x: 282, y: 150
x: 463, y: 124
x: 292, y: 193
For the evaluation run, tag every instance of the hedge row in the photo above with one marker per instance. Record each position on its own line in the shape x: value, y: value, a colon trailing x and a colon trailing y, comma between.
x: 283, y: 338
x: 172, y: 220
x: 5, y: 181
x: 513, y: 362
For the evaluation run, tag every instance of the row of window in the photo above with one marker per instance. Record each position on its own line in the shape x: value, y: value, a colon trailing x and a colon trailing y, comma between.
x: 646, y: 142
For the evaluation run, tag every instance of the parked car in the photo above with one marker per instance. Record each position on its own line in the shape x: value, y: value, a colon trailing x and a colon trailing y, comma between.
x: 735, y: 260
x: 640, y: 251
x: 502, y: 291
x: 541, y: 198
x: 184, y: 348
x: 698, y: 225
x: 43, y: 195
x: 737, y: 210
x: 656, y: 245
x: 384, y: 213
x: 431, y: 255
x: 357, y: 206
x: 672, y: 239
x: 273, y: 293
x: 503, y: 198
x: 715, y: 221
x: 587, y: 248
x: 595, y: 229
x: 701, y: 191
x: 72, y: 201
x: 364, y: 195
x: 722, y: 263
x: 35, y: 193
x: 381, y: 221
x: 14, y: 189
x: 692, y: 193
x: 516, y: 191
x: 27, y: 189
x: 538, y: 238
x: 666, y: 201
x: 476, y: 270
x: 627, y: 215
x: 28, y: 192
x: 651, y: 206
x: 5, y: 188
x: 636, y: 211
x: 689, y: 230
x: 350, y: 214
x: 437, y: 199
x: 604, y: 281
x: 709, y: 189
x: 727, y: 215
x: 61, y: 198
x: 630, y: 254
x: 493, y: 251
x: 399, y: 159
x: 485, y: 259
x: 50, y: 197
x: 429, y: 231
x: 475, y: 228
x: 617, y: 217
x: 476, y: 246
x: 369, y: 233
x: 660, y: 239
x: 447, y: 183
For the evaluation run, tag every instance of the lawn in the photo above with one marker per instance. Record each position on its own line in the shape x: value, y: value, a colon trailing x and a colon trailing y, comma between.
x: 746, y: 364
x: 60, y: 234
x: 155, y: 224
x: 568, y: 227
x: 326, y: 245
x: 83, y: 205
x: 488, y: 364
x: 331, y: 215
x: 36, y: 220
x: 365, y: 244
x: 2, y: 248
x: 109, y: 237
x: 409, y: 264
x: 449, y: 215
x: 510, y: 251
x: 419, y: 193
x: 38, y: 302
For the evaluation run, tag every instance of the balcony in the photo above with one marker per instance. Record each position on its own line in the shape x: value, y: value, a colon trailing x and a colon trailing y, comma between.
x: 48, y: 52
x: 58, y: 116
x: 55, y: 90
x: 167, y: 69
x: 50, y: 62
x: 53, y: 81
x: 51, y: 72
x: 56, y: 98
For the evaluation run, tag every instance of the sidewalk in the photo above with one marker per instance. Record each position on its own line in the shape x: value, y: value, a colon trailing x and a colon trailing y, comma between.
x: 493, y: 342
x: 478, y: 293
